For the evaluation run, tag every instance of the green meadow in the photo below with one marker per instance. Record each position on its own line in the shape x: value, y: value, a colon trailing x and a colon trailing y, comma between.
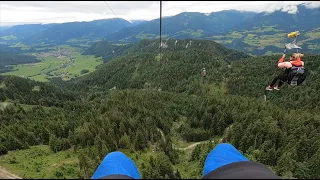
x: 69, y: 65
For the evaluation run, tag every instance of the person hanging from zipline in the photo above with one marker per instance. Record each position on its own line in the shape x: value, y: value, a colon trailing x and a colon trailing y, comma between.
x: 292, y: 68
x: 294, y: 73
x: 204, y: 73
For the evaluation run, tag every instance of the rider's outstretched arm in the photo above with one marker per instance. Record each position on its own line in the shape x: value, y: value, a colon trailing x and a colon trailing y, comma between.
x: 282, y: 63
x: 282, y: 58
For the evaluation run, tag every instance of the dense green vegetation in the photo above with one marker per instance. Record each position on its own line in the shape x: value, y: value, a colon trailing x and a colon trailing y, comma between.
x: 171, y: 46
x: 107, y: 50
x: 33, y: 93
x: 249, y: 78
x: 42, y: 163
x: 131, y: 99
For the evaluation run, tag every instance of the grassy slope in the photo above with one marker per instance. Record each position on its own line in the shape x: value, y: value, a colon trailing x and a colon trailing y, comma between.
x: 40, y: 162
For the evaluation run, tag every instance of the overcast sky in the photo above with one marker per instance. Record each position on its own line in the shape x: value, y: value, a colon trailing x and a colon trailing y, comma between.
x: 26, y: 12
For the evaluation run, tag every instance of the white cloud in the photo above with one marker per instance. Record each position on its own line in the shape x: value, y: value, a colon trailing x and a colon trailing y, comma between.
x: 290, y: 9
x: 312, y: 4
x: 67, y: 11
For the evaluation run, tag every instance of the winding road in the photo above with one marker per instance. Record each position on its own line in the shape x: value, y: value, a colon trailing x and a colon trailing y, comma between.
x: 186, y: 148
x: 3, y: 105
x: 190, y: 146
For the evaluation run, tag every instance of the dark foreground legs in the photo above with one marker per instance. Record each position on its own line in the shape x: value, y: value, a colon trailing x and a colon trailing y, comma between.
x: 223, y: 162
x: 221, y: 155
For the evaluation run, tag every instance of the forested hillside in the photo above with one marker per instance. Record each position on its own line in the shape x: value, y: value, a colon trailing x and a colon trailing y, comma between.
x: 250, y: 77
x: 136, y: 95
x: 108, y: 51
x: 181, y: 64
x: 31, y: 92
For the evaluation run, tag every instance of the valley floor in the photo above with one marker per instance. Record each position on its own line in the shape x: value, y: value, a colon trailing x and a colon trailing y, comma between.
x: 66, y: 64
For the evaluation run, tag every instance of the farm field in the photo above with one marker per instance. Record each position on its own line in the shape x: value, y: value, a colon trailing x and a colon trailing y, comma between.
x: 63, y: 61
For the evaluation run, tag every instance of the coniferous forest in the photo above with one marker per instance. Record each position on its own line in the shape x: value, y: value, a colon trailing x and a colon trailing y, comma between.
x: 140, y: 102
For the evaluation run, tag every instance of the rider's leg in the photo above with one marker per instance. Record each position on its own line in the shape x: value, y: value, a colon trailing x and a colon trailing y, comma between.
x: 221, y: 155
x: 117, y: 165
x: 283, y: 78
x: 274, y: 81
x: 301, y: 79
x: 285, y: 65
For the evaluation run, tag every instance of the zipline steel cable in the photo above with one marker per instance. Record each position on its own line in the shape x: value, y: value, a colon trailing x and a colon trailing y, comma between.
x: 119, y: 20
x: 160, y: 49
x: 160, y: 28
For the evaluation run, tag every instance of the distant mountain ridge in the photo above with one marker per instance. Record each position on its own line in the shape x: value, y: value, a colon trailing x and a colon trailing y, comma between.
x: 184, y: 25
x: 224, y: 22
x: 255, y: 33
x: 31, y: 34
x: 23, y: 31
